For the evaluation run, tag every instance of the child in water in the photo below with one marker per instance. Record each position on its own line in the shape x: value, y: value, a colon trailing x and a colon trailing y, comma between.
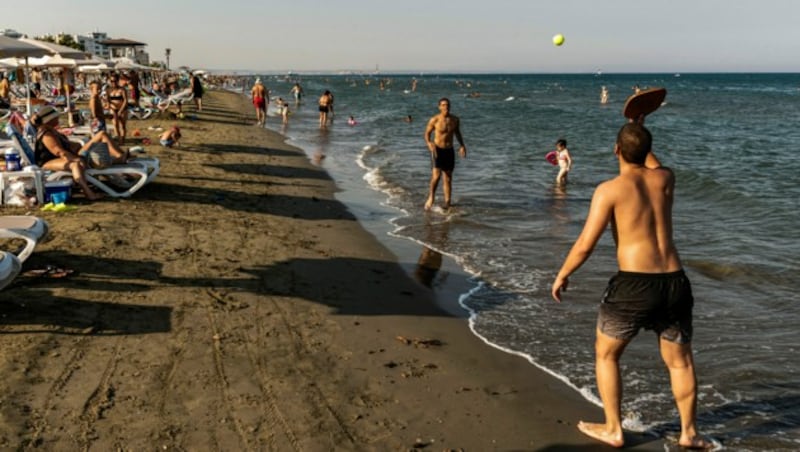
x: 352, y: 121
x: 564, y: 161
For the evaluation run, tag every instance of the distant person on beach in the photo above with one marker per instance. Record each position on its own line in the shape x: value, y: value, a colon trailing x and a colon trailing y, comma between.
x: 297, y: 92
x: 197, y: 91
x: 260, y: 95
x: 171, y: 137
x: 5, y: 91
x: 96, y: 108
x: 603, y: 95
x: 650, y: 289
x: 325, y: 107
x: 444, y: 127
x: 117, y: 101
x: 284, y: 111
x: 564, y: 162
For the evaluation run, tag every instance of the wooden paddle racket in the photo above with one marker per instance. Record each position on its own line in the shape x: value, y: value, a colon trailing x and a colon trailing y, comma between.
x: 644, y: 102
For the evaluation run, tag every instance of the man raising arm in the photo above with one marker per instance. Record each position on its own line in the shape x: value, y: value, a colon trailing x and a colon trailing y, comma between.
x: 650, y: 290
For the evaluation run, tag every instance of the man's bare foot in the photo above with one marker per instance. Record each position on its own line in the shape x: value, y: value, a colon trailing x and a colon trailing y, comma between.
x: 696, y: 443
x: 429, y: 203
x: 599, y: 432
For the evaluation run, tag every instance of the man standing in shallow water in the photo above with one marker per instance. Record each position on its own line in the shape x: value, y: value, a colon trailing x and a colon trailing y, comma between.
x: 650, y: 290
x: 260, y: 95
x: 444, y: 127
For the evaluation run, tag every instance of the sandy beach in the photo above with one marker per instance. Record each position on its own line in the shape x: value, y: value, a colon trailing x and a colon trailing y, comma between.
x: 234, y: 304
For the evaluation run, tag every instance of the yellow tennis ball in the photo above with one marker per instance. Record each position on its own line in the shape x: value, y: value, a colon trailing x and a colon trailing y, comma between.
x: 558, y: 39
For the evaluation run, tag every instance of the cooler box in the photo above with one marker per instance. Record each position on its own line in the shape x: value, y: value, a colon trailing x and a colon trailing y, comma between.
x: 58, y: 186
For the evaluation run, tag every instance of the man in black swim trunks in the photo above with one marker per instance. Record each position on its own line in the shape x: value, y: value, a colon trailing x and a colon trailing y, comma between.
x: 650, y: 291
x: 444, y: 127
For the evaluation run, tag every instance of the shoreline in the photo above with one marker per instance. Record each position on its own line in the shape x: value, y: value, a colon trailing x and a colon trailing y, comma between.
x: 236, y: 304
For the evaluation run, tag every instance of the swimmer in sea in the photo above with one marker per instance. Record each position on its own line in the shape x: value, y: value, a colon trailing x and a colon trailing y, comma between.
x: 603, y: 95
x: 260, y: 96
x: 297, y: 92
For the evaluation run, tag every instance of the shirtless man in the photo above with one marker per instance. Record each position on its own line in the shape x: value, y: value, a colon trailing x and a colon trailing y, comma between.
x: 325, y: 107
x: 650, y: 290
x: 443, y: 126
x: 260, y: 96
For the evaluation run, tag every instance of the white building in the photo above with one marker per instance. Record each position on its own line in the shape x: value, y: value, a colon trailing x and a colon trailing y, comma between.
x: 92, y: 43
x: 98, y: 43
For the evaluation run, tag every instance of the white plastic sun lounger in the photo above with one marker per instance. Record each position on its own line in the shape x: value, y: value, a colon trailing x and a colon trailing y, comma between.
x: 28, y: 228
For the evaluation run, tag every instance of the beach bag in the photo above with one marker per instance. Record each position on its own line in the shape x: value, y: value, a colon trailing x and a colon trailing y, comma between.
x: 97, y: 156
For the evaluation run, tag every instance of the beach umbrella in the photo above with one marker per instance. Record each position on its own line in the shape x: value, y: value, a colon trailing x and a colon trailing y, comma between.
x: 53, y: 48
x: 10, y: 47
x: 58, y: 61
x: 16, y: 48
x: 126, y: 63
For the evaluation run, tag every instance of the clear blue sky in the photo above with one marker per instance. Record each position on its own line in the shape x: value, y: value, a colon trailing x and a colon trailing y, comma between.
x: 458, y: 35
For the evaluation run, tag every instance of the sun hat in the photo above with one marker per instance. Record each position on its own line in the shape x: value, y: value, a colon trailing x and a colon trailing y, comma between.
x: 47, y: 114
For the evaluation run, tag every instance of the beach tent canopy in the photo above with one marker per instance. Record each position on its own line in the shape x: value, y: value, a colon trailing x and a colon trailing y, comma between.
x: 126, y: 63
x: 53, y: 49
x: 59, y: 61
x: 17, y: 48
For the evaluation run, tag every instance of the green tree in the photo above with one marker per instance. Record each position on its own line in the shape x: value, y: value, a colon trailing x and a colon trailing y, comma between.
x: 62, y: 39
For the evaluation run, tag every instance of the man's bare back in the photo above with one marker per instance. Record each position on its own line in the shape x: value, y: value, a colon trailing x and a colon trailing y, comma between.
x: 259, y: 91
x: 640, y: 203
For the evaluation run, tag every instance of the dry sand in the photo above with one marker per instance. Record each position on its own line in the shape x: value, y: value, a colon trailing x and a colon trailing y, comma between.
x: 234, y: 304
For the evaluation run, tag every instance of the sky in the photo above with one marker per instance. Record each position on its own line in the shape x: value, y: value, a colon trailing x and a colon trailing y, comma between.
x: 612, y: 36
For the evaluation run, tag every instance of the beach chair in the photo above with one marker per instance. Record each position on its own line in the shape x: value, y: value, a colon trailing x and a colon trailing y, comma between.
x: 142, y: 170
x: 10, y: 267
x: 28, y: 228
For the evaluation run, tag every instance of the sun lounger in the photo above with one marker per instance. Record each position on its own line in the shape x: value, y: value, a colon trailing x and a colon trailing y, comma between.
x: 9, y: 268
x: 140, y: 171
x: 28, y: 228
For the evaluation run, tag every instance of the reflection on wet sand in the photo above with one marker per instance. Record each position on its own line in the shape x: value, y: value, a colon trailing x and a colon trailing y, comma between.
x: 428, y: 265
x: 430, y: 260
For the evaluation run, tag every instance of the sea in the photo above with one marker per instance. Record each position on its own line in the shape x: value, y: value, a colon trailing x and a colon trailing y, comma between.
x: 732, y: 141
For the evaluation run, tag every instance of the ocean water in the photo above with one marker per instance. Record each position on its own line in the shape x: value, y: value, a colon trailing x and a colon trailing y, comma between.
x: 732, y: 140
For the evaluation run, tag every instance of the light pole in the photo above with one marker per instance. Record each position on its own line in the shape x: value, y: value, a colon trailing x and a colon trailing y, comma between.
x: 167, y: 51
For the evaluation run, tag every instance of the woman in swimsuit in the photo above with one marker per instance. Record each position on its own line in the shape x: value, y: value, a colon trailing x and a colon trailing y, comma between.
x: 117, y: 100
x: 55, y: 152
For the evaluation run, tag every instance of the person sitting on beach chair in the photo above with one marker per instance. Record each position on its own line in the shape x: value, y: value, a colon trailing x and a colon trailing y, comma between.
x: 56, y: 152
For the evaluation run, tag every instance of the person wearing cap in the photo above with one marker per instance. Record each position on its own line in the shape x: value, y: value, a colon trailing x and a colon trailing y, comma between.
x: 55, y: 152
x: 260, y: 95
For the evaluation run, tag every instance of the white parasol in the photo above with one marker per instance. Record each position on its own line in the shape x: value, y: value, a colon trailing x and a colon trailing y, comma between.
x: 15, y: 48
